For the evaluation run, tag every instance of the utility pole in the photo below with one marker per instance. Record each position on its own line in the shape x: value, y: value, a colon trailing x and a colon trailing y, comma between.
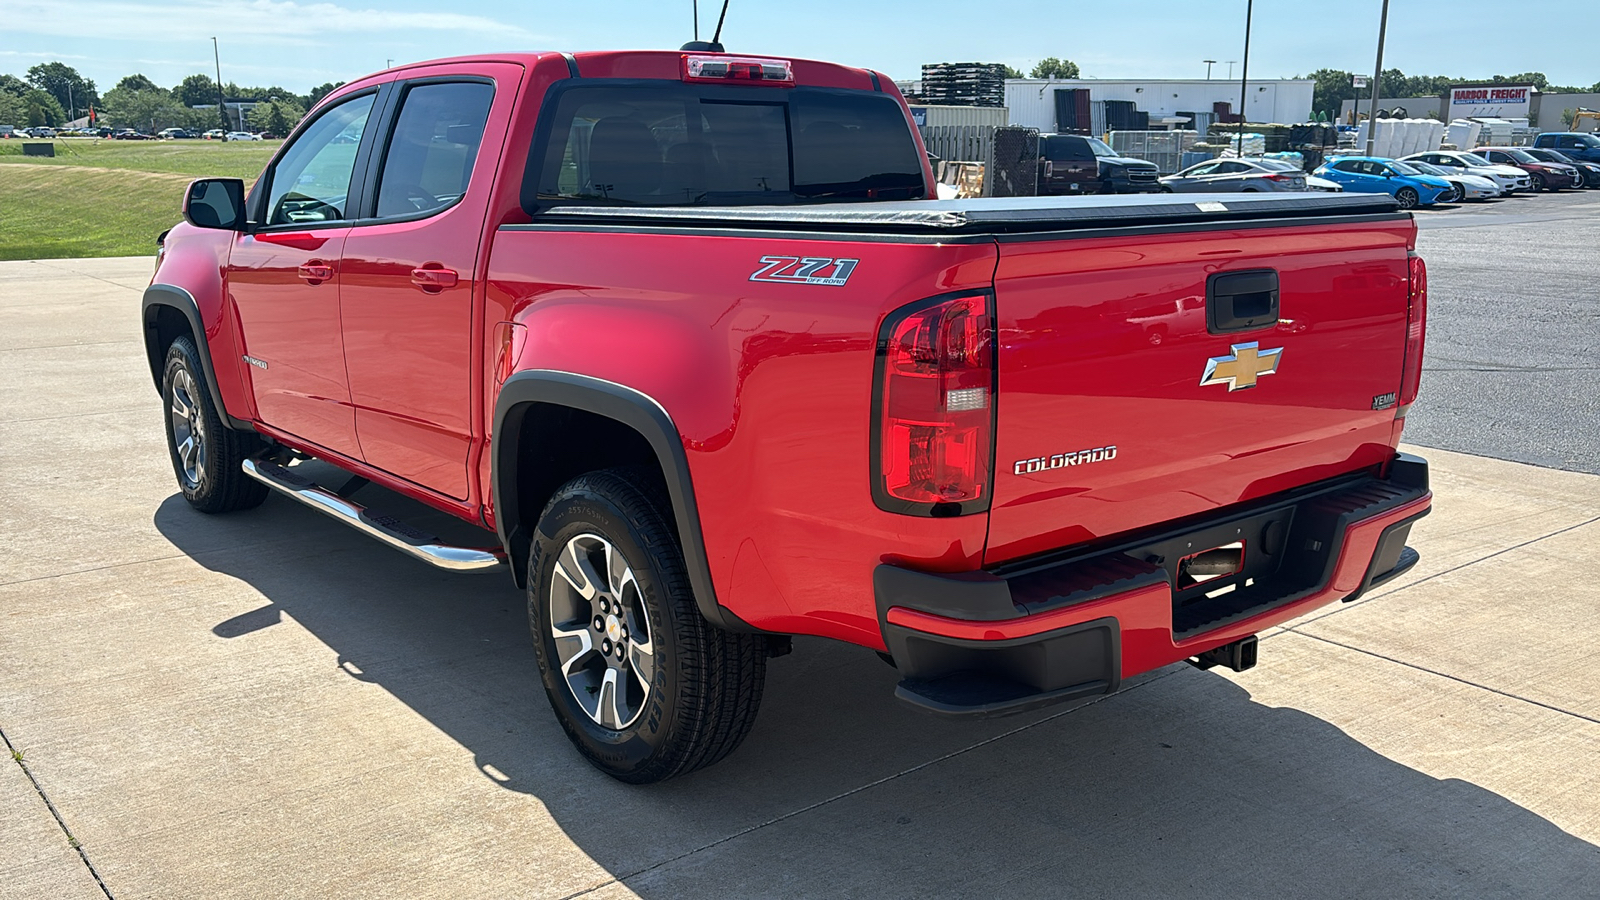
x: 1244, y: 74
x: 222, y: 109
x: 70, y: 106
x: 1377, y: 81
x: 1209, y: 63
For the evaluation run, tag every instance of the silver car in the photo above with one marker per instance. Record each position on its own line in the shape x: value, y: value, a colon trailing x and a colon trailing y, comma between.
x: 1468, y: 187
x: 1248, y: 174
x: 1509, y: 178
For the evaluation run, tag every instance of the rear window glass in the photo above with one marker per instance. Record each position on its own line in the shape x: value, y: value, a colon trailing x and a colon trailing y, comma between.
x: 666, y: 144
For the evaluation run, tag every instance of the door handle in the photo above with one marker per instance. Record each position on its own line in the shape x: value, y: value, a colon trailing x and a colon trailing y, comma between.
x: 433, y: 278
x: 315, y: 272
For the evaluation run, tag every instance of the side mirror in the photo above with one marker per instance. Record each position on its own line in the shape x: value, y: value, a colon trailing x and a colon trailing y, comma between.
x: 215, y: 203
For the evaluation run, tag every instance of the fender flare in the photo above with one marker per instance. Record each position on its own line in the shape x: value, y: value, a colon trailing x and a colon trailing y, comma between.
x: 630, y: 407
x: 174, y: 297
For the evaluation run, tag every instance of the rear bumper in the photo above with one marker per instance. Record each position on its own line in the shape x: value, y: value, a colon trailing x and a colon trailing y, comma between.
x: 1062, y: 628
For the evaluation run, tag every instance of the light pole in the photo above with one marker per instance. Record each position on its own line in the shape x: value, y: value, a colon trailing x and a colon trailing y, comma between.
x: 1230, y: 63
x: 1377, y: 80
x: 222, y: 108
x: 1209, y: 63
x: 1244, y: 71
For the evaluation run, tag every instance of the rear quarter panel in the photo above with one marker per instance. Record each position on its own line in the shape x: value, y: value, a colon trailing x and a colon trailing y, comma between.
x: 769, y: 386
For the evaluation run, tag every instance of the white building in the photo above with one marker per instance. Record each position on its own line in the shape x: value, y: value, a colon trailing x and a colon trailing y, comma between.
x: 1032, y: 101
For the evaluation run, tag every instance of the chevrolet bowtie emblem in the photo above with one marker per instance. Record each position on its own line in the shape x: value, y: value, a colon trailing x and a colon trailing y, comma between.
x: 1240, y: 369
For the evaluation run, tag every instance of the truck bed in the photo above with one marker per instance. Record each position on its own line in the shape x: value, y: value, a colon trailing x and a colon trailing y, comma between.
x: 981, y: 217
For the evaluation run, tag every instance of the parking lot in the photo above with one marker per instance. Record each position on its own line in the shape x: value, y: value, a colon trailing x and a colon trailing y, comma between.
x: 268, y: 704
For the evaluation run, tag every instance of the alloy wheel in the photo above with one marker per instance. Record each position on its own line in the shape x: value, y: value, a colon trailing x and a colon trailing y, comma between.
x: 603, y: 639
x: 188, y: 427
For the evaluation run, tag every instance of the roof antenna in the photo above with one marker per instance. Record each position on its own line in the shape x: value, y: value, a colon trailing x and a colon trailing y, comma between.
x: 714, y: 45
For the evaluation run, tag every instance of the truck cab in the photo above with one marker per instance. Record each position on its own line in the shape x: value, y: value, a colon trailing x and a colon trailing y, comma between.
x: 1584, y: 147
x: 1079, y: 164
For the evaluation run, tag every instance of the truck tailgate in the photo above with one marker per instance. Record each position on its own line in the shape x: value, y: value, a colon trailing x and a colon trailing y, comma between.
x: 1107, y: 420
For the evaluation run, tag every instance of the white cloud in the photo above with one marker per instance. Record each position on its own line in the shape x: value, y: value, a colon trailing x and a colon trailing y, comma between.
x: 275, y: 21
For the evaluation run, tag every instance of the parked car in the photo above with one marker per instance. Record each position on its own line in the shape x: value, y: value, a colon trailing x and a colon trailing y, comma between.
x: 7, y: 131
x: 1374, y: 175
x: 1075, y: 164
x: 1542, y: 176
x: 242, y: 136
x: 41, y: 131
x: 176, y: 133
x: 128, y: 134
x: 1580, y: 146
x: 1590, y: 171
x: 1510, y: 178
x: 215, y: 134
x: 1467, y: 187
x: 822, y: 404
x: 1243, y: 175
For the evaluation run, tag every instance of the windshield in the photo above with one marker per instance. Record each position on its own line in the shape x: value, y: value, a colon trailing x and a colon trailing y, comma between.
x: 1556, y: 156
x: 1099, y: 148
x: 1589, y: 140
x: 670, y: 144
x: 1403, y: 168
x: 1519, y: 155
x: 1473, y: 159
x: 1427, y: 168
x: 1276, y: 165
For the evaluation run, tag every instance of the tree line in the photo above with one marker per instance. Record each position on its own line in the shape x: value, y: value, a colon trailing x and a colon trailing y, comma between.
x: 54, y: 93
x: 1334, y: 86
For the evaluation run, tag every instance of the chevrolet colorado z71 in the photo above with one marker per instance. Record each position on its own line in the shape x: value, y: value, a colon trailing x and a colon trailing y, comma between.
x: 685, y: 335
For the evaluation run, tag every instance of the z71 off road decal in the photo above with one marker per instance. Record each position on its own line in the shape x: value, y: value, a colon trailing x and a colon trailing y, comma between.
x: 805, y: 270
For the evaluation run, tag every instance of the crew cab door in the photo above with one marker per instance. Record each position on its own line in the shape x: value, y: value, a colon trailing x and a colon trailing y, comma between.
x: 283, y: 278
x: 408, y: 285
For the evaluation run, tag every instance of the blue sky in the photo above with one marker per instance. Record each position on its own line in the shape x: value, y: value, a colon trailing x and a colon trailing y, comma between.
x: 301, y: 43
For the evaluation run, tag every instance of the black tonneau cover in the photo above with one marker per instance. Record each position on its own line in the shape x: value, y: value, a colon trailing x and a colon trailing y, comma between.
x: 988, y: 215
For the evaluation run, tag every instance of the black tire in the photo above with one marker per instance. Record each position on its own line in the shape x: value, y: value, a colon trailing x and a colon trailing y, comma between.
x: 1536, y: 183
x: 1407, y: 197
x: 209, y: 475
x: 705, y: 685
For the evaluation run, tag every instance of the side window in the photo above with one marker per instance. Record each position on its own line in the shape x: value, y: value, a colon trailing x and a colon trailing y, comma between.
x: 432, y: 149
x: 311, y: 181
x: 1232, y: 168
x: 1203, y: 169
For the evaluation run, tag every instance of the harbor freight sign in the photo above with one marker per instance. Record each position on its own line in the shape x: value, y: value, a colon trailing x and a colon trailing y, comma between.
x: 1500, y: 101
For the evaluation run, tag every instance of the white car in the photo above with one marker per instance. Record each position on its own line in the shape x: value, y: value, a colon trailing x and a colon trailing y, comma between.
x: 1509, y: 178
x: 1313, y: 183
x: 1468, y: 186
x: 242, y: 136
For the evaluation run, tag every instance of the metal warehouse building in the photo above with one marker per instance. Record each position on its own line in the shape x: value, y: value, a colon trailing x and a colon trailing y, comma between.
x: 1032, y: 101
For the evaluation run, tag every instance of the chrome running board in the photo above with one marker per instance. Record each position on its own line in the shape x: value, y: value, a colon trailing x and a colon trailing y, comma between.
x: 393, y: 532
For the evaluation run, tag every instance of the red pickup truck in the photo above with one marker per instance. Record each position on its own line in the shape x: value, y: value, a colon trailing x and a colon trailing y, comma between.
x: 686, y: 335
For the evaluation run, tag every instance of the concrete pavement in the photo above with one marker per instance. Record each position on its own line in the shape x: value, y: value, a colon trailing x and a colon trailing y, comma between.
x: 267, y: 704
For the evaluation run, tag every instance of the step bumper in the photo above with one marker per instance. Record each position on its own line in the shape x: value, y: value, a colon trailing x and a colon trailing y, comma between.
x: 986, y: 643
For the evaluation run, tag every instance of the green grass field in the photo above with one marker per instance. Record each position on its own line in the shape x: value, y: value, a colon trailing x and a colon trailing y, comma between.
x: 107, y: 198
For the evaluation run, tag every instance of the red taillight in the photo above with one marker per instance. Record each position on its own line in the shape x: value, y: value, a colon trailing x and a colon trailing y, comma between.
x: 1416, y: 329
x: 1274, y: 176
x: 737, y: 68
x: 935, y: 407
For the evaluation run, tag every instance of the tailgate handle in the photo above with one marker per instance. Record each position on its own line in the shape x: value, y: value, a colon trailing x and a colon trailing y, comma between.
x: 1241, y: 301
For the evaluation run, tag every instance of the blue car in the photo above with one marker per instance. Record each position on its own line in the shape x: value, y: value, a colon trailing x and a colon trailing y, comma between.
x: 1372, y: 175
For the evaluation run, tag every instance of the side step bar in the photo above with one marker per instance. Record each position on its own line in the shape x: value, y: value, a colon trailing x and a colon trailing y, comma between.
x: 393, y: 532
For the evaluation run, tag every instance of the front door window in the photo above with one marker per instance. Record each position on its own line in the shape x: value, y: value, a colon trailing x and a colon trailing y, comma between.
x: 311, y: 181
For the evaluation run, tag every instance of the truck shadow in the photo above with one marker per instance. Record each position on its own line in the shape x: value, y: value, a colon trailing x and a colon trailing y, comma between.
x: 1180, y: 785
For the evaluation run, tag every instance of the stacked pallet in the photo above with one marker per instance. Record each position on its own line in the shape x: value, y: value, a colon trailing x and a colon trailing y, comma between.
x: 964, y: 84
